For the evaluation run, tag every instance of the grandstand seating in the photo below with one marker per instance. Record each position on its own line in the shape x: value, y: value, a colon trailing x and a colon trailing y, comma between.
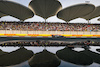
x: 41, y: 26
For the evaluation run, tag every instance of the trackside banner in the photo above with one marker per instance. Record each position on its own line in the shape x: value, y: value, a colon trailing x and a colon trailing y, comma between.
x: 47, y: 35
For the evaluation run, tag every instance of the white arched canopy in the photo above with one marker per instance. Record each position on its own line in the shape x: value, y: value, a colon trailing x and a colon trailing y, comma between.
x: 15, y: 9
x: 45, y: 8
x: 75, y: 11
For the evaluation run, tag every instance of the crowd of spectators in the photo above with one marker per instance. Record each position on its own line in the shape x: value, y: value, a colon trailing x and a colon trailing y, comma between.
x: 34, y: 43
x: 50, y: 43
x: 41, y: 26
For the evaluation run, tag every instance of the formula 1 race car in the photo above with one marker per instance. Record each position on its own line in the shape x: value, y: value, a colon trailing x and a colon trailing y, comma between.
x: 57, y: 36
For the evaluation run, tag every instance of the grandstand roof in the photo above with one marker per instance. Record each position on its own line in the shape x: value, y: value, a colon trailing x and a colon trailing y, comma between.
x: 45, y: 8
x: 2, y: 14
x: 98, y: 19
x: 18, y: 56
x: 44, y: 59
x: 16, y: 10
x: 75, y: 11
x: 94, y: 14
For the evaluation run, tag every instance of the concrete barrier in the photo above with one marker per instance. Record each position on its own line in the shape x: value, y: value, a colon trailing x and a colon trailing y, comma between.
x: 46, y: 32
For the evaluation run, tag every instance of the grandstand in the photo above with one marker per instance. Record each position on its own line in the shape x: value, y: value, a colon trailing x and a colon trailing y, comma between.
x: 46, y: 34
x: 45, y: 30
x: 38, y: 29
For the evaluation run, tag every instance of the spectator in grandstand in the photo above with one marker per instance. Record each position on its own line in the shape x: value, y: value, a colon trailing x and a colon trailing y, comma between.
x: 41, y: 26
